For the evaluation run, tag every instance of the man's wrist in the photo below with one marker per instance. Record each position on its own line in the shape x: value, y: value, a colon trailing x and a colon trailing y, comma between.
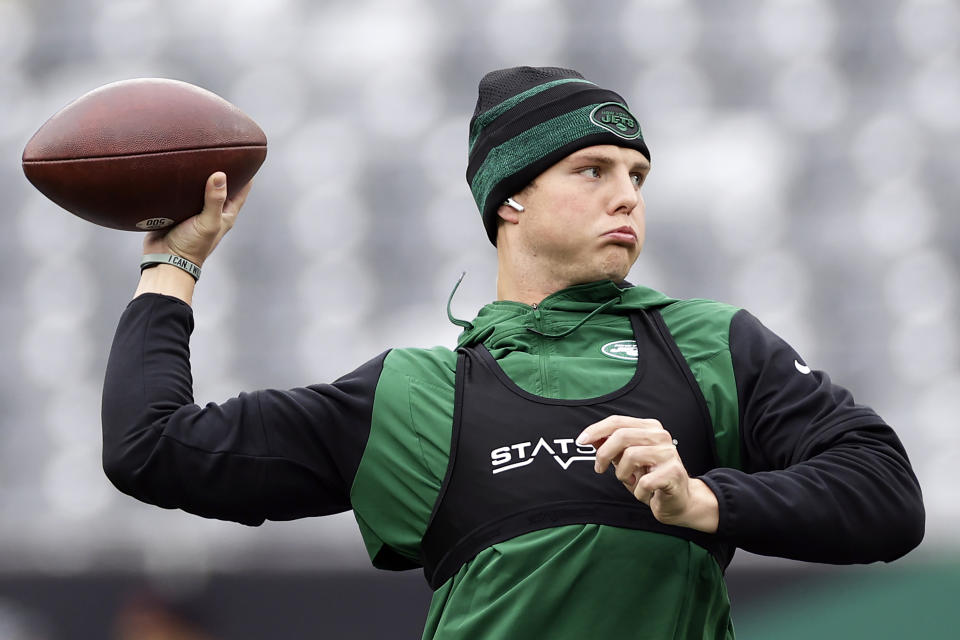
x: 167, y: 280
x: 153, y: 259
x: 704, y: 512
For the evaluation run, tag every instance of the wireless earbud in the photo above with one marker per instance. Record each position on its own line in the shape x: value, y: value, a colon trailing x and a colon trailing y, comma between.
x: 513, y: 204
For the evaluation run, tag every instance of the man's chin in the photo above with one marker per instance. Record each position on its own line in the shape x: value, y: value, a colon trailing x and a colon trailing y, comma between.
x: 613, y: 265
x: 617, y: 269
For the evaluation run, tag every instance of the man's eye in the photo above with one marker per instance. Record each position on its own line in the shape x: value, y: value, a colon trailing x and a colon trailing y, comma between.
x: 637, y: 180
x: 593, y: 172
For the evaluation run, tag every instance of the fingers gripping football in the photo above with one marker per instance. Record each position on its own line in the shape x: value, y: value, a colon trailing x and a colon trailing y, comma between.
x: 645, y: 459
x: 196, y: 237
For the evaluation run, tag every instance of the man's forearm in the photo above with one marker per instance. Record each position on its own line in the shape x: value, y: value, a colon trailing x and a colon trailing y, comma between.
x: 855, y: 503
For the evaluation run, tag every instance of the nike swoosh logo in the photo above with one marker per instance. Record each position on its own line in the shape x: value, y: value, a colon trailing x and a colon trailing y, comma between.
x: 802, y: 368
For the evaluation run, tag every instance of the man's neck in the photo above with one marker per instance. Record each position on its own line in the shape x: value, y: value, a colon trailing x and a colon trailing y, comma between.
x: 528, y: 279
x: 525, y: 292
x: 526, y: 285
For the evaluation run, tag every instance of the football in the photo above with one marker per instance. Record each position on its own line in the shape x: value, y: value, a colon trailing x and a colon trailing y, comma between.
x: 136, y: 154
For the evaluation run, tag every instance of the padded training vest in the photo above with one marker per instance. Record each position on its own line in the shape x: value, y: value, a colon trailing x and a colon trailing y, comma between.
x: 514, y: 466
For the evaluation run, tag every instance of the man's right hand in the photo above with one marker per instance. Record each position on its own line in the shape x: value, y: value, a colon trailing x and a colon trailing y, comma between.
x: 194, y: 239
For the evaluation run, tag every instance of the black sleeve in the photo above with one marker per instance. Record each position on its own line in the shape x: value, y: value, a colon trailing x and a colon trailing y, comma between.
x: 824, y: 479
x: 270, y: 454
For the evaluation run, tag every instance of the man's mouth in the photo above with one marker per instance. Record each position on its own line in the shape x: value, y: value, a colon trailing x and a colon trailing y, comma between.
x: 622, y: 234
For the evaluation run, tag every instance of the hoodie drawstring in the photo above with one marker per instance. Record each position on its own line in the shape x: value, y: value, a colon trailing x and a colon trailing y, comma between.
x: 460, y: 323
x: 553, y: 336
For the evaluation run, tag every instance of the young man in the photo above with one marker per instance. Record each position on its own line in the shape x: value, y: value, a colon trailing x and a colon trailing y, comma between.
x: 587, y: 459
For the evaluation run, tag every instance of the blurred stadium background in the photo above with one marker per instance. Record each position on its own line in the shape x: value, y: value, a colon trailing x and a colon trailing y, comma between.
x: 805, y: 156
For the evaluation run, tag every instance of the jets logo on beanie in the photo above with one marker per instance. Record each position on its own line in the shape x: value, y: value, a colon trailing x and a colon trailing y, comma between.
x: 528, y: 119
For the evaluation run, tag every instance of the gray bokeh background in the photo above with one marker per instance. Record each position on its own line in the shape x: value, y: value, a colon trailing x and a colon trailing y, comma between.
x: 805, y: 163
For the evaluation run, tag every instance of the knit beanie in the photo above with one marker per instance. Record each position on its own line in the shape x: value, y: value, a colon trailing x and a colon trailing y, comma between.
x: 529, y: 118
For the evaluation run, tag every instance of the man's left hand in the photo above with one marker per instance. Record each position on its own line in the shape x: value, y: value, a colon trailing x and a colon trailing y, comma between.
x: 646, y: 461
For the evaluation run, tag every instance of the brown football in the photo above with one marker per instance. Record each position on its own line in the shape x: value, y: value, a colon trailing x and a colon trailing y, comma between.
x: 136, y: 154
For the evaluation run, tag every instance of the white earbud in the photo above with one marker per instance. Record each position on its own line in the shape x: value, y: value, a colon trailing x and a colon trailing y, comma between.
x: 513, y: 204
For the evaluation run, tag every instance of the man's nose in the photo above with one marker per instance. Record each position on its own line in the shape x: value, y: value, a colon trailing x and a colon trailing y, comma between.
x: 625, y: 196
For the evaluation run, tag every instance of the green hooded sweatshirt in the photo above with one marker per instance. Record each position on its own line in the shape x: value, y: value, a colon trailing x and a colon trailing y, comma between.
x: 573, y: 581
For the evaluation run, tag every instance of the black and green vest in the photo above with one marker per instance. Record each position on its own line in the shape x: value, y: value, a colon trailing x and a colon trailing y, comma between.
x: 515, y: 467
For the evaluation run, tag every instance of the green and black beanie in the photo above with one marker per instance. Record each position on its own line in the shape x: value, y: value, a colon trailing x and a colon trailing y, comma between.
x: 529, y: 118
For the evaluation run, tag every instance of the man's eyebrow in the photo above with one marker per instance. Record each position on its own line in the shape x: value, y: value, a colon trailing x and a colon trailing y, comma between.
x: 599, y: 159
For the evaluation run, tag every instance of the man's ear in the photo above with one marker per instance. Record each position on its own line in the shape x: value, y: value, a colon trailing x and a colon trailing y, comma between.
x: 509, y: 213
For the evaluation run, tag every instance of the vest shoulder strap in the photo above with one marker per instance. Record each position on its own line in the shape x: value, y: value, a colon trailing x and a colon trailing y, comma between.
x: 701, y: 331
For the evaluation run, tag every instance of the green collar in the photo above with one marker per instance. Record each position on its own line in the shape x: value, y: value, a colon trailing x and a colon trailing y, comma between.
x: 585, y: 298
